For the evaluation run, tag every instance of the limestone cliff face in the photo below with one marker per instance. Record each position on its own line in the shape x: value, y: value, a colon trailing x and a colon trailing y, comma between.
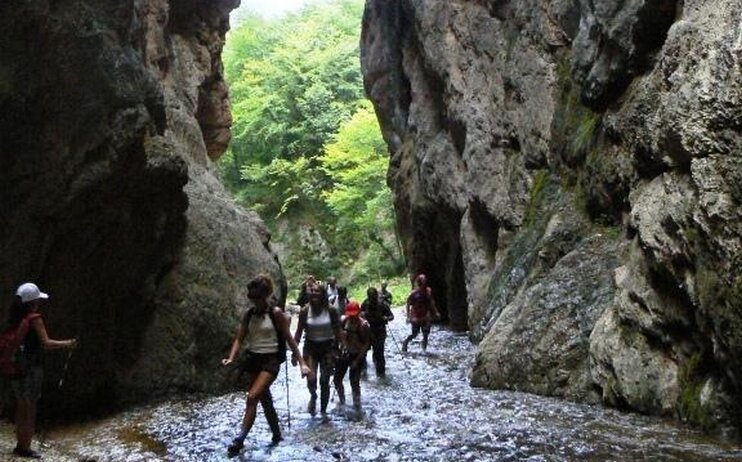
x: 113, y: 113
x: 568, y: 174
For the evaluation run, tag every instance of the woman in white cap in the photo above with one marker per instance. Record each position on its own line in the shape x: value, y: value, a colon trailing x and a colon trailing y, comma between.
x: 27, y: 382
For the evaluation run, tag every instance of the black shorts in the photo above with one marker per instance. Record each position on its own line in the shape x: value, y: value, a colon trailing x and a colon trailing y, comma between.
x: 253, y: 363
x: 28, y: 385
x: 319, y: 350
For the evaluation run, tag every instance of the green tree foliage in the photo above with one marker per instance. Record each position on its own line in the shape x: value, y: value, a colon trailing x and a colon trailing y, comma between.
x: 292, y: 82
x: 306, y: 147
x: 356, y: 161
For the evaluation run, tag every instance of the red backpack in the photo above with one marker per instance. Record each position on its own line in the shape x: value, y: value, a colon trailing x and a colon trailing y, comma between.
x: 10, y: 339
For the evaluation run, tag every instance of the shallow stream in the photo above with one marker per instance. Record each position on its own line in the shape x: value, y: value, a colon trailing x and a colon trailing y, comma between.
x: 424, y: 411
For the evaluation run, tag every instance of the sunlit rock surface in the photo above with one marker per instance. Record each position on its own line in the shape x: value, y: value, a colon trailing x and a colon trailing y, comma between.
x: 568, y: 174
x: 112, y: 115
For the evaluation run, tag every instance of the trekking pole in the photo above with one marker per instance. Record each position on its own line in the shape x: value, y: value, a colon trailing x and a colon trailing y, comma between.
x: 288, y: 403
x: 66, y: 366
x: 399, y: 350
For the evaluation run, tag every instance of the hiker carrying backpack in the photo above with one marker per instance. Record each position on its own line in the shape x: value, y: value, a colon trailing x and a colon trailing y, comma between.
x: 265, y: 332
x: 378, y: 314
x: 23, y: 347
x: 10, y: 340
x: 356, y: 340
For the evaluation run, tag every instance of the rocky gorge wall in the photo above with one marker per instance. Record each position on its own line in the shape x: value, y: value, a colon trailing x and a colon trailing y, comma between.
x: 112, y: 116
x: 568, y: 174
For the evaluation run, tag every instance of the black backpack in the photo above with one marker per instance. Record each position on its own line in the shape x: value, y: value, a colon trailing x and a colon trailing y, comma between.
x: 279, y: 335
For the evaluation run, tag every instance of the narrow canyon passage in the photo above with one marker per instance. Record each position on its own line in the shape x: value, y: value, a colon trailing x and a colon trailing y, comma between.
x: 424, y: 411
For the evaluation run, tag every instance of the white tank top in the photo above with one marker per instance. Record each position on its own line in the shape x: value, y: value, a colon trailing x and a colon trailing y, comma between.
x: 261, y: 335
x: 319, y: 328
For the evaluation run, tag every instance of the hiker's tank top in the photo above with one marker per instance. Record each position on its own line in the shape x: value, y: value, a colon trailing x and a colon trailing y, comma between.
x: 261, y: 335
x: 319, y: 327
x: 31, y: 351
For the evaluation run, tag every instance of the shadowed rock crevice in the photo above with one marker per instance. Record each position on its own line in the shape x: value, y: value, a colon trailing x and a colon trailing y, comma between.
x: 616, y: 42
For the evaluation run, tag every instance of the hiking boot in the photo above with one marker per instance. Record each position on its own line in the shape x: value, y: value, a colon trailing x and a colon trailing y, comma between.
x: 26, y: 453
x: 236, y: 446
x: 312, y: 406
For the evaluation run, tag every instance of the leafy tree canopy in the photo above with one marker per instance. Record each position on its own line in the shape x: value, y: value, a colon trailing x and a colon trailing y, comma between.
x: 306, y: 145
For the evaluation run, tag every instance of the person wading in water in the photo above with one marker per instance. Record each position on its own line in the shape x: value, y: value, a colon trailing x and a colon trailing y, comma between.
x: 265, y: 331
x: 27, y: 381
x: 378, y: 314
x: 321, y: 322
x: 355, y: 343
x: 421, y: 311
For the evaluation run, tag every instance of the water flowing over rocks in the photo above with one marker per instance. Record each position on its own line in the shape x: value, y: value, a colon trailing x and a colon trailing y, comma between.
x: 424, y: 410
x: 568, y: 175
x: 113, y: 113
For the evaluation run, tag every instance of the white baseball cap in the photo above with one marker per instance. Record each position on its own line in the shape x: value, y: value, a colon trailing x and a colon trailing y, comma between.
x: 30, y: 292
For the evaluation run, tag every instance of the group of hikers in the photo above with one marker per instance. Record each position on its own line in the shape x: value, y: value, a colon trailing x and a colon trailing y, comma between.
x: 337, y: 333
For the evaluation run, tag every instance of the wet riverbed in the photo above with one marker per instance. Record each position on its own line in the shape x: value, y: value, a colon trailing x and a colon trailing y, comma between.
x: 425, y: 411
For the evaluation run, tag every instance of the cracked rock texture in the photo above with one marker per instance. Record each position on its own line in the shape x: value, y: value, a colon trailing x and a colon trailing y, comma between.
x: 113, y: 113
x: 568, y: 175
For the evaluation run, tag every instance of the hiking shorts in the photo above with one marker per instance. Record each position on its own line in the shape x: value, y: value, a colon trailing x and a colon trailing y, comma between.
x: 254, y: 363
x: 322, y: 352
x: 28, y: 386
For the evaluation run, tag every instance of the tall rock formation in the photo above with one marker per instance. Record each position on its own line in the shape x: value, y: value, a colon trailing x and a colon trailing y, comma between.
x: 568, y: 174
x: 113, y: 113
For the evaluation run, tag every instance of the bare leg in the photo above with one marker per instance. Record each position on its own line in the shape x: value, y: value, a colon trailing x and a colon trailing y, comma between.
x: 258, y: 386
x: 24, y: 423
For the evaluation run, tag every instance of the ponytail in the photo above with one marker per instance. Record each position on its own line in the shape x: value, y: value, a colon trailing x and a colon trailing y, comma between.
x: 18, y: 310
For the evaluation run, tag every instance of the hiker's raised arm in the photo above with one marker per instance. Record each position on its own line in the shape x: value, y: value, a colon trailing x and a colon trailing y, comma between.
x: 48, y: 343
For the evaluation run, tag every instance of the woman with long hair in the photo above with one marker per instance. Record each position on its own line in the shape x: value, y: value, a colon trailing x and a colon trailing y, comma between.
x: 321, y: 322
x: 27, y: 382
x: 265, y: 331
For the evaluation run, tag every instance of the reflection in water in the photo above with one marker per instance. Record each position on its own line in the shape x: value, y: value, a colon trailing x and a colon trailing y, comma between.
x: 424, y: 411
